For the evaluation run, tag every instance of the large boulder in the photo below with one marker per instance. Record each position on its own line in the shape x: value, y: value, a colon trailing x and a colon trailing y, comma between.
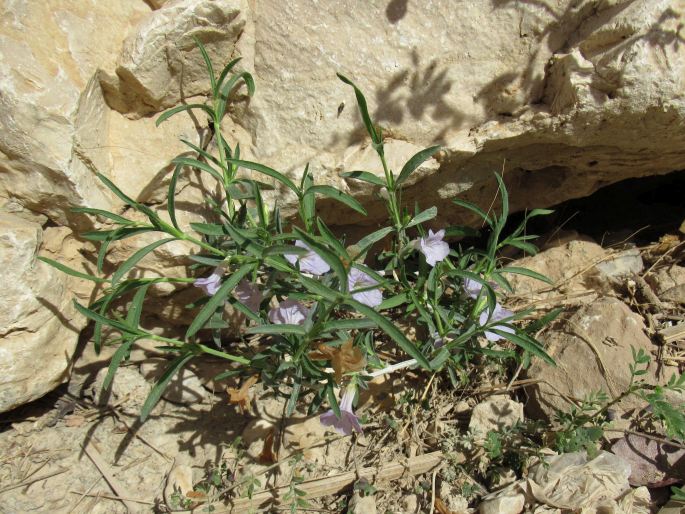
x: 39, y: 326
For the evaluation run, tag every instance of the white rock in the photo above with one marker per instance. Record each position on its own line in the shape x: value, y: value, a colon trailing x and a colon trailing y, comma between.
x: 361, y: 504
x: 495, y: 414
x: 179, y: 482
x: 38, y: 323
x: 509, y: 504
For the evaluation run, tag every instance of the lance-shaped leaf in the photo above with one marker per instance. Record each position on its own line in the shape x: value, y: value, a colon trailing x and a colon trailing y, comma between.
x: 194, y: 163
x: 328, y: 256
x: 218, y: 299
x: 227, y: 69
x: 363, y: 109
x: 527, y: 272
x: 99, y: 318
x: 415, y: 162
x: 280, y: 328
x: 104, y: 214
x: 365, y: 176
x: 525, y: 342
x: 72, y: 272
x: 336, y: 194
x: 181, y: 108
x: 424, y: 216
x: 136, y: 257
x: 267, y: 171
x: 118, y: 356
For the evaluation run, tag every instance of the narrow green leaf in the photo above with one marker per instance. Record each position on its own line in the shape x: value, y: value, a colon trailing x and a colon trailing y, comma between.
x: 336, y: 194
x: 208, y: 63
x: 97, y: 317
x: 227, y: 69
x: 160, y: 386
x: 104, y: 214
x: 369, y: 240
x: 415, y: 162
x: 218, y: 299
x: 124, y: 198
x: 527, y: 272
x: 348, y: 324
x: 194, y: 163
x: 277, y: 329
x: 363, y: 109
x: 424, y: 216
x: 187, y: 107
x: 209, y: 229
x: 525, y: 342
x: 171, y: 196
x: 267, y: 171
x: 505, y: 200
x: 365, y: 176
x: 114, y: 363
x: 393, y: 301
x: 200, y: 151
x: 330, y: 238
x: 136, y: 257
x: 72, y: 272
x: 473, y: 208
x: 136, y: 308
x: 226, y: 90
x: 316, y: 287
x: 391, y: 330
x: 332, y: 400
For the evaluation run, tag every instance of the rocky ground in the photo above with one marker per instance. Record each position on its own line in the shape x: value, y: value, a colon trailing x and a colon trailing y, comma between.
x: 426, y: 447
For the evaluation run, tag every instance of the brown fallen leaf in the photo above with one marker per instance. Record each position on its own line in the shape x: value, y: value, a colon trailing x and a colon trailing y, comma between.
x: 268, y: 456
x: 344, y: 359
x: 240, y: 396
x: 441, y: 508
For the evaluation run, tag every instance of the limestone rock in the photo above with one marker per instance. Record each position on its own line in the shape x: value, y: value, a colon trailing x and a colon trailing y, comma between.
x: 512, y: 503
x: 54, y: 125
x: 160, y: 64
x: 179, y: 483
x: 495, y: 414
x: 361, y: 504
x: 592, y: 352
x: 38, y: 323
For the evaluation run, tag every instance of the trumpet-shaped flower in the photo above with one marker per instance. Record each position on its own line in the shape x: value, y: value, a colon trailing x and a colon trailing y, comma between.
x: 433, y: 247
x: 357, y: 279
x: 249, y: 294
x: 472, y: 287
x: 498, y: 314
x: 310, y: 262
x: 348, y: 420
x: 288, y: 312
x: 210, y: 285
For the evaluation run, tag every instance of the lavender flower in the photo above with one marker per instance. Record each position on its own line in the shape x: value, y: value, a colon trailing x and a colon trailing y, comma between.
x: 211, y: 284
x: 249, y: 294
x: 289, y: 312
x: 433, y: 247
x: 472, y: 287
x: 348, y: 420
x: 310, y: 262
x: 357, y: 279
x: 498, y: 314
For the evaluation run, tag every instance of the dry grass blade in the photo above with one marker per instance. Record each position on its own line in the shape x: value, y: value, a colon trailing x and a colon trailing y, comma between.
x: 32, y: 480
x: 108, y: 475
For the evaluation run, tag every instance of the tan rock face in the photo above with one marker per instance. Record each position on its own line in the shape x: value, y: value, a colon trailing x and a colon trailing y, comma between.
x: 38, y: 324
x: 54, y: 126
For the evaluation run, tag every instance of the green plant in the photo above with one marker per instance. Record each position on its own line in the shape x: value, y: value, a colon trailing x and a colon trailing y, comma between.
x: 334, y: 304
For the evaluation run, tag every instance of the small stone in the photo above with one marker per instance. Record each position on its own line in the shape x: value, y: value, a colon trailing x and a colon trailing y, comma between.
x: 410, y: 504
x: 361, y: 504
x: 622, y: 264
x: 511, y: 503
x: 178, y: 484
x: 496, y: 414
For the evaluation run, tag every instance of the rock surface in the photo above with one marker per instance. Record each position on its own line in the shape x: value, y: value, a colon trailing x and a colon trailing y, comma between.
x: 38, y: 324
x: 593, y: 353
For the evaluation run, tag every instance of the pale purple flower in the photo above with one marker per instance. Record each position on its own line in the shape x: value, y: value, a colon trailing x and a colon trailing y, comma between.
x: 310, y: 262
x: 498, y: 314
x: 211, y: 284
x: 472, y: 287
x: 348, y: 420
x: 433, y: 247
x: 357, y: 279
x: 249, y: 294
x: 288, y: 312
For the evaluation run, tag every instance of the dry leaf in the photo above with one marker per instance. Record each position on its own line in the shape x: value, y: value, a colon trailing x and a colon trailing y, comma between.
x: 441, y: 508
x: 240, y: 396
x: 344, y: 359
x: 268, y: 456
